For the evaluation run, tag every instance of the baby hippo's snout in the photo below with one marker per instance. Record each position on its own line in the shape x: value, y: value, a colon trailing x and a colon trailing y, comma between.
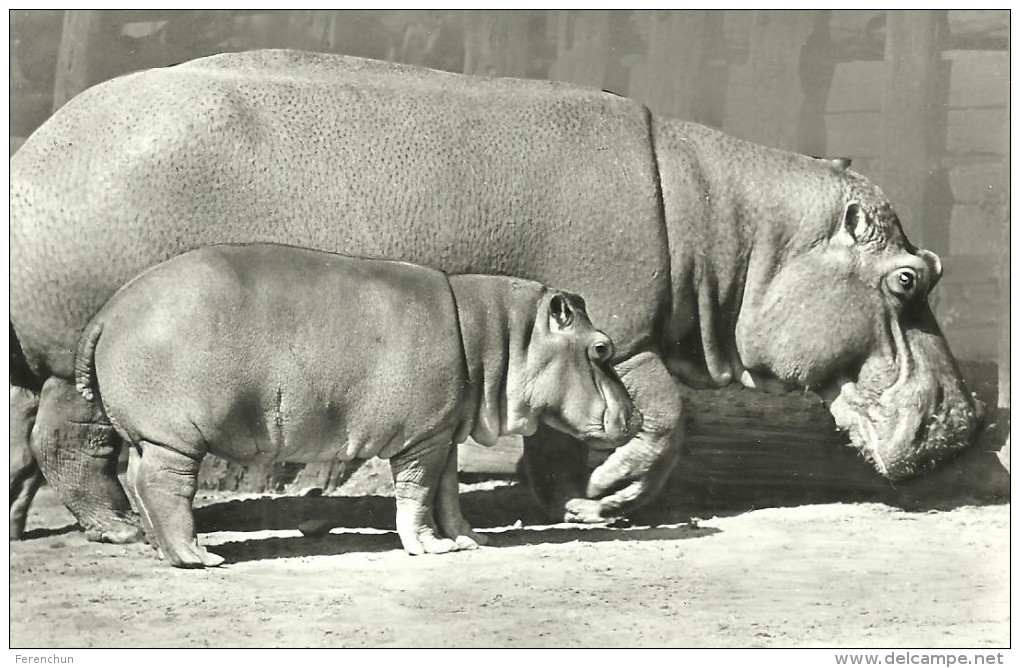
x: 620, y: 420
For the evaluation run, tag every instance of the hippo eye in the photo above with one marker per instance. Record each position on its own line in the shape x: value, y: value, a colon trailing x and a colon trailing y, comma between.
x: 903, y: 282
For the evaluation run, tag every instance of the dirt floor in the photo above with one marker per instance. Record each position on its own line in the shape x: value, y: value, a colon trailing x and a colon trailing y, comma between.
x: 839, y: 575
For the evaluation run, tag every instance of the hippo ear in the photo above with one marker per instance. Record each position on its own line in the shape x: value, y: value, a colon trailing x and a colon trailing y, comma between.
x: 855, y: 223
x: 841, y: 164
x: 560, y: 311
x: 837, y: 164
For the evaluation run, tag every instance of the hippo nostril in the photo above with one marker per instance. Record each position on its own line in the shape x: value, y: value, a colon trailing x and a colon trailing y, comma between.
x: 600, y: 352
x: 934, y: 265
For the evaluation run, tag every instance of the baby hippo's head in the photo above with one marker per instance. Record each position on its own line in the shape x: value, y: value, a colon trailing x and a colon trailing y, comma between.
x: 569, y: 381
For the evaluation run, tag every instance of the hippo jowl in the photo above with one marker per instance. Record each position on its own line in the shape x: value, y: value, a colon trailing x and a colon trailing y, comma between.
x: 263, y: 352
x: 707, y: 259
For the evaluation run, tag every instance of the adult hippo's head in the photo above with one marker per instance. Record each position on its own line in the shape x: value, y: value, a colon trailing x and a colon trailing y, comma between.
x: 837, y: 302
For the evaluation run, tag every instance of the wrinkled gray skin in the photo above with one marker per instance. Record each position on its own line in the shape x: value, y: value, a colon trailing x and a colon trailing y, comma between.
x: 263, y: 352
x: 707, y: 259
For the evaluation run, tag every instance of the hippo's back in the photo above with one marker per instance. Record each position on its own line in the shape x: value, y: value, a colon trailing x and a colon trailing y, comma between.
x: 466, y: 174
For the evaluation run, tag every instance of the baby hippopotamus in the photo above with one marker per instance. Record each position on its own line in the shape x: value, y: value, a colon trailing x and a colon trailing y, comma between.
x: 267, y: 352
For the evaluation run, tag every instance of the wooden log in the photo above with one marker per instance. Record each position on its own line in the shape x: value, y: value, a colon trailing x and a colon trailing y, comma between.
x: 73, y: 70
x: 752, y: 448
x: 123, y: 16
x: 979, y: 29
x: 913, y: 122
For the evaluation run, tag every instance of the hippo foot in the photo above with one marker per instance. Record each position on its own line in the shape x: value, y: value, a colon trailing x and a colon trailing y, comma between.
x: 427, y: 542
x: 467, y: 539
x: 460, y: 532
x: 118, y: 532
x: 586, y: 511
x: 192, y: 555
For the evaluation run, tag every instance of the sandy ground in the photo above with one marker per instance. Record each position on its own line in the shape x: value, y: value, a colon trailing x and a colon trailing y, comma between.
x: 840, y: 575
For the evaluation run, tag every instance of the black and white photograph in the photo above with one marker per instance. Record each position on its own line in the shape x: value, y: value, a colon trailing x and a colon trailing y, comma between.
x: 510, y: 328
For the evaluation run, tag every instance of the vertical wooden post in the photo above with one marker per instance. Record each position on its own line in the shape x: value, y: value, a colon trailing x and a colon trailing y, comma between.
x: 771, y: 109
x: 673, y: 79
x: 582, y: 47
x: 310, y: 29
x: 717, y: 70
x: 18, y: 81
x: 1004, y: 271
x: 496, y: 42
x: 913, y: 117
x: 816, y: 68
x: 73, y: 72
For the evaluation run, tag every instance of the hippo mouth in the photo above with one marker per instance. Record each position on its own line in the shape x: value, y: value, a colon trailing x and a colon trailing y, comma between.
x: 903, y: 433
x: 616, y: 423
x: 903, y: 430
x: 910, y: 413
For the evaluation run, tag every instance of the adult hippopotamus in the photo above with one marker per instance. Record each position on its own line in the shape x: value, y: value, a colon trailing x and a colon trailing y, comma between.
x: 264, y: 352
x: 707, y: 259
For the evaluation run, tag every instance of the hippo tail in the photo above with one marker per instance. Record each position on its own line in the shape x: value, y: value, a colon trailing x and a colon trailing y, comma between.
x: 84, y: 369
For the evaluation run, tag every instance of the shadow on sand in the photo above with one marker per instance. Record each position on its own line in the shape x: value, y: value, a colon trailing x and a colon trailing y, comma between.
x: 46, y: 532
x: 334, y: 544
x: 497, y: 508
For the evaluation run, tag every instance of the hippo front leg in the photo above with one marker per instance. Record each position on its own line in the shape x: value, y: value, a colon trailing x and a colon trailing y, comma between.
x: 636, y: 471
x: 416, y: 475
x: 555, y: 464
x: 77, y: 449
x: 448, y: 513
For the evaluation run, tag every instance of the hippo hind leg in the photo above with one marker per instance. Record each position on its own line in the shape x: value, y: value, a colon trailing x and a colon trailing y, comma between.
x: 448, y: 514
x: 165, y: 482
x: 416, y: 475
x: 134, y: 465
x: 25, y: 474
x: 77, y: 449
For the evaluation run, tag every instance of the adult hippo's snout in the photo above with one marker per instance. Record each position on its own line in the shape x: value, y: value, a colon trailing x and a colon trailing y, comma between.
x: 909, y: 413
